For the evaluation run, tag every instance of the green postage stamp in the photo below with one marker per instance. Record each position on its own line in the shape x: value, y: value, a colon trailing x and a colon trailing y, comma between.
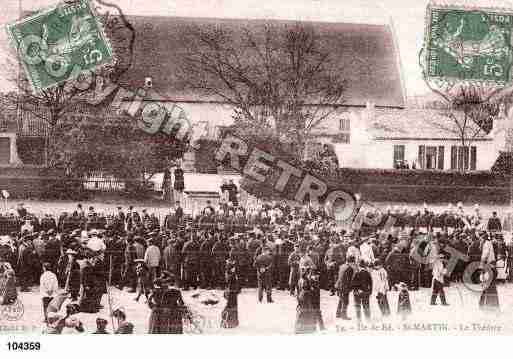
x: 59, y: 43
x: 469, y: 44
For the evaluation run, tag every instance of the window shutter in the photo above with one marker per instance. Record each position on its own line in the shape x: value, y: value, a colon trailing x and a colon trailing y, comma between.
x: 398, y: 153
x: 454, y: 157
x: 440, y: 157
x: 473, y: 158
x: 465, y: 157
x: 460, y: 157
x: 422, y: 156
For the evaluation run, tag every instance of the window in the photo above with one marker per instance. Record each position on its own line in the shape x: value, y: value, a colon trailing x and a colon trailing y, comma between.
x: 431, y: 157
x: 344, y: 128
x: 398, y: 155
x: 473, y: 158
x: 454, y: 157
x: 440, y: 157
x: 463, y: 157
x: 344, y: 125
x: 422, y: 152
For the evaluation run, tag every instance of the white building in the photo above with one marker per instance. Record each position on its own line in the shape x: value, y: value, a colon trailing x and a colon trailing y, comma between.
x: 378, y: 138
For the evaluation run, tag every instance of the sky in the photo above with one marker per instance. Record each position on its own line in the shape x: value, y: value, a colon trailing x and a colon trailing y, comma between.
x: 407, y: 17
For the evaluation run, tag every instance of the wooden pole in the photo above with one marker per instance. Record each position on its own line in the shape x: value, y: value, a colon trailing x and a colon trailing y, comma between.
x: 109, y: 296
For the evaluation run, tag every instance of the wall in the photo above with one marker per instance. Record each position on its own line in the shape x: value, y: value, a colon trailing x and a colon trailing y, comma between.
x: 14, y: 161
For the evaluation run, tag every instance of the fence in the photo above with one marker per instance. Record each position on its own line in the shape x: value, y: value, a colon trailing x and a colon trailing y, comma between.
x: 98, y: 181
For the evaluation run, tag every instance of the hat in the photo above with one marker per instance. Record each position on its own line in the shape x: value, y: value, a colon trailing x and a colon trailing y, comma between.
x: 166, y: 277
x: 402, y: 285
x: 71, y: 251
x: 138, y: 260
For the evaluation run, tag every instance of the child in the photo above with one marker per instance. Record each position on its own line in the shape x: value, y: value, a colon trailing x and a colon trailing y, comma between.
x: 101, y: 325
x: 403, y: 303
x: 143, y: 279
x: 381, y: 287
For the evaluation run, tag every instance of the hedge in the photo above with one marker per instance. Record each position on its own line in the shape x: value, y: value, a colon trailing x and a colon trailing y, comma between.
x: 373, y: 184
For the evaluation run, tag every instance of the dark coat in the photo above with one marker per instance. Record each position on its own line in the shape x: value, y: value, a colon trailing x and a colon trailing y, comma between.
x: 167, y: 310
x: 72, y: 275
x: 344, y: 283
x: 26, y: 258
x: 171, y: 257
x: 190, y: 253
x: 306, y: 311
x: 362, y: 282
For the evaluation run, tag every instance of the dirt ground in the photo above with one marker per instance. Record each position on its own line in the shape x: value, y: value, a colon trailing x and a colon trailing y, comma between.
x: 460, y: 318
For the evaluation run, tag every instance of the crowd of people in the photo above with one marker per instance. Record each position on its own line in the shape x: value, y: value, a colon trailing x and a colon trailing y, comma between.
x: 75, y: 258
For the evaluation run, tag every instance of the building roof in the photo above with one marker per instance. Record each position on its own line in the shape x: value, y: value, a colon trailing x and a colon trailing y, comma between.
x: 418, y: 124
x: 367, y: 53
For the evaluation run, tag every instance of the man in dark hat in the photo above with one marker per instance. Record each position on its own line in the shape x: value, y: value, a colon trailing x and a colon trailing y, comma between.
x: 362, y: 289
x: 190, y: 252
x: 263, y: 264
x: 252, y: 246
x: 140, y: 246
x: 333, y: 260
x: 119, y: 221
x: 26, y: 259
x: 243, y: 260
x: 178, y: 211
x: 220, y: 251
x: 344, y: 286
x: 207, y: 265
x: 132, y: 219
x: 284, y: 248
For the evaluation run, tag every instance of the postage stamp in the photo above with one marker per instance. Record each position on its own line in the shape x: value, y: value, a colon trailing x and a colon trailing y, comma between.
x: 59, y: 43
x: 468, y: 44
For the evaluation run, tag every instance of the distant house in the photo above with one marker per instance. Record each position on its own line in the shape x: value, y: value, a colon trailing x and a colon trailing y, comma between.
x: 381, y: 138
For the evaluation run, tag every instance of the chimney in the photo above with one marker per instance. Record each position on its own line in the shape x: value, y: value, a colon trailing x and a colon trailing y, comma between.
x: 369, y: 110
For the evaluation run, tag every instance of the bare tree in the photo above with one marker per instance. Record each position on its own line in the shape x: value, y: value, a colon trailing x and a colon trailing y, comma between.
x: 279, y: 79
x: 467, y: 116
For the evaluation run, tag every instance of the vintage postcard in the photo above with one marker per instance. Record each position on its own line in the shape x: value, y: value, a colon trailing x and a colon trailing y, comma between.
x: 302, y: 167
